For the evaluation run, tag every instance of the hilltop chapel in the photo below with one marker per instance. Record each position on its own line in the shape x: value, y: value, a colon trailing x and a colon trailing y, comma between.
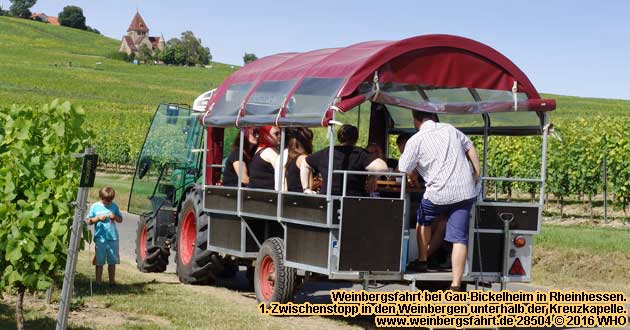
x: 137, y: 35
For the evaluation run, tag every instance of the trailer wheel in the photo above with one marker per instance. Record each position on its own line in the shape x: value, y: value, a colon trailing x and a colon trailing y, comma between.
x: 149, y: 258
x: 195, y: 264
x: 273, y: 281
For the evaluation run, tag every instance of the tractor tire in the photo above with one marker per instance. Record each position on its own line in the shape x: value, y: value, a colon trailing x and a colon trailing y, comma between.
x: 273, y: 281
x: 196, y: 264
x: 149, y: 258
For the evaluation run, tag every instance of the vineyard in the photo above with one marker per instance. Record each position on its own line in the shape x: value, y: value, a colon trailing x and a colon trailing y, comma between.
x: 575, y: 160
x: 48, y: 62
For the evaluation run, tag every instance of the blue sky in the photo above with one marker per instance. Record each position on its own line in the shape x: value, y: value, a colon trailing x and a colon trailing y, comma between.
x: 577, y: 48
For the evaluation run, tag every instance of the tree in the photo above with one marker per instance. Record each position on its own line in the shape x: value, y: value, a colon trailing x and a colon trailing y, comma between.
x: 21, y: 8
x: 2, y: 11
x: 72, y: 16
x: 249, y: 57
x: 145, y: 53
x: 91, y: 29
x: 40, y: 178
x: 186, y: 51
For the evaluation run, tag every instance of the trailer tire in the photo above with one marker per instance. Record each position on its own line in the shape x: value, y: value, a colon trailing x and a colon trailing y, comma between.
x: 149, y: 258
x: 195, y: 264
x: 273, y: 281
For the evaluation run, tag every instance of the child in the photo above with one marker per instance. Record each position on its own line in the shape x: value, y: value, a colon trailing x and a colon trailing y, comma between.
x: 104, y: 215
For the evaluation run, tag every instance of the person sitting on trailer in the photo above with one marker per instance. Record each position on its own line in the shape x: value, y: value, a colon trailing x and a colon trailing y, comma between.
x: 264, y: 163
x: 345, y: 157
x: 375, y: 150
x: 232, y: 164
x: 300, y: 145
x: 448, y: 162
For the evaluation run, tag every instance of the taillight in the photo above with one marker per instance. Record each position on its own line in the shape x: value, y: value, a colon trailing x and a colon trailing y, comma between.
x: 519, y: 241
x: 517, y: 268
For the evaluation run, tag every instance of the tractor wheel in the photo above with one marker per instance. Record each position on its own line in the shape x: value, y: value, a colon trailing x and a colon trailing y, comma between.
x: 273, y: 281
x: 196, y: 264
x: 149, y: 258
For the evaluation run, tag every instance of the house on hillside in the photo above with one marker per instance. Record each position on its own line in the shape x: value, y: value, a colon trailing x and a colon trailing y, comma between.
x: 52, y: 20
x: 137, y: 36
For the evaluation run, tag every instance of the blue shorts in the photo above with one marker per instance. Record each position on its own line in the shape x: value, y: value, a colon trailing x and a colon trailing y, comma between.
x: 457, y: 214
x: 106, y: 250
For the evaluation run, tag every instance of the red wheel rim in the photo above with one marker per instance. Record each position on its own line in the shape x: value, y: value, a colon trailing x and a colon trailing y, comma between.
x: 187, y: 237
x: 266, y: 278
x: 143, y: 243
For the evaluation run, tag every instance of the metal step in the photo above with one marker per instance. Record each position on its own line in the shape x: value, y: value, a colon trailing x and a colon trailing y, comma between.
x: 429, y: 276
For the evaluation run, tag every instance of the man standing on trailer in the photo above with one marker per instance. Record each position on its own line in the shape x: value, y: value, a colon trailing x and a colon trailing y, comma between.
x: 448, y: 162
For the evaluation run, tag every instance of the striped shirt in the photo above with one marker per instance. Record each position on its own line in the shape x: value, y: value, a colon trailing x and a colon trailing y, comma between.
x: 438, y: 152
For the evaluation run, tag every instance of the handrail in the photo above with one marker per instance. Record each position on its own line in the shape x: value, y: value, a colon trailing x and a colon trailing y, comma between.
x: 487, y: 178
x: 345, y: 179
x: 370, y: 173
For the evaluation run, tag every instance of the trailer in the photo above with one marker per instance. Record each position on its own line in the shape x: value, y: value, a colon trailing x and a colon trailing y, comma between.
x: 285, y: 238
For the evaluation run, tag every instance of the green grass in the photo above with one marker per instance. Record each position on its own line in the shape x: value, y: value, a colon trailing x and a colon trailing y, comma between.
x: 582, y: 257
x: 157, y: 301
x: 34, y: 66
x: 595, y: 240
x: 569, y: 107
x: 40, y: 62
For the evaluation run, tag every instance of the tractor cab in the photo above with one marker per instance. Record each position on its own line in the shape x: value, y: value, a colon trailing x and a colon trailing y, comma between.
x: 168, y: 166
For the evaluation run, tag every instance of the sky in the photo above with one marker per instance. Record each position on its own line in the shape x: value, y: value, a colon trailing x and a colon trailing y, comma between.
x: 579, y: 48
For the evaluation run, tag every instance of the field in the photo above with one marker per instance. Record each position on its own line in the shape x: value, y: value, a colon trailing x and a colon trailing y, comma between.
x: 40, y: 62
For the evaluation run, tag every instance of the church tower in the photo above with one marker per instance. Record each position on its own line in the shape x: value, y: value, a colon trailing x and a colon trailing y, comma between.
x: 138, y: 29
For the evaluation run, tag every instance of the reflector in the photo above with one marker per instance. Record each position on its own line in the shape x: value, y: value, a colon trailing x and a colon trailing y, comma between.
x: 519, y: 241
x: 517, y: 268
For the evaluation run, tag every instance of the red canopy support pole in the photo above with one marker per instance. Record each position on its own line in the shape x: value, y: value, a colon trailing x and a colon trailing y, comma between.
x: 214, y: 154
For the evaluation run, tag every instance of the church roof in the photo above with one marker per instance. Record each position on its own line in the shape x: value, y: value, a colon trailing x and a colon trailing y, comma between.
x: 138, y: 24
x: 155, y: 42
x: 130, y: 43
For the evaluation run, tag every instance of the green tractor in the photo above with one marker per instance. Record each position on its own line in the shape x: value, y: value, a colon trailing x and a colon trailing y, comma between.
x: 166, y: 195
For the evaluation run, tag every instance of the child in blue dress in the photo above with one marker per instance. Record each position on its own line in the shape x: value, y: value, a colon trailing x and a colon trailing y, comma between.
x: 104, y: 215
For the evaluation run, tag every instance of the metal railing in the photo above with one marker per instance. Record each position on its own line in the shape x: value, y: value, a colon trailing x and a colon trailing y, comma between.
x: 403, y: 182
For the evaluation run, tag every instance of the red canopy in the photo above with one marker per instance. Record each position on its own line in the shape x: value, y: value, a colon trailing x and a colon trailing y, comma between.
x: 302, y: 88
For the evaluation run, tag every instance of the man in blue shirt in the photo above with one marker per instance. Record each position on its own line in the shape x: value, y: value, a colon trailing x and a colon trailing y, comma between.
x: 104, y: 215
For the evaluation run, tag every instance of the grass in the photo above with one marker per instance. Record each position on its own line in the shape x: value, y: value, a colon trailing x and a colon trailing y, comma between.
x: 47, y: 62
x: 595, y: 240
x: 41, y: 62
x: 582, y: 257
x: 158, y: 301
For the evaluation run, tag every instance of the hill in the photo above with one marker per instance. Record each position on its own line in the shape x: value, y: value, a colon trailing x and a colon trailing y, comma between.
x: 41, y: 62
